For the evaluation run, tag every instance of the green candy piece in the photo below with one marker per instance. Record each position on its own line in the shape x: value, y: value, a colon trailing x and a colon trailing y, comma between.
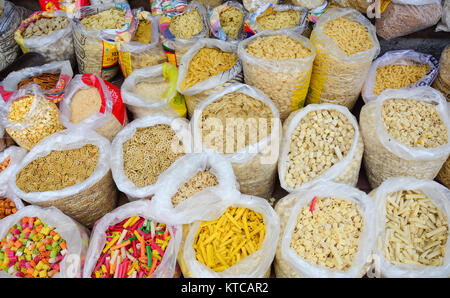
x: 48, y: 247
x: 53, y: 254
x: 36, y: 251
x: 54, y: 244
x: 2, y: 256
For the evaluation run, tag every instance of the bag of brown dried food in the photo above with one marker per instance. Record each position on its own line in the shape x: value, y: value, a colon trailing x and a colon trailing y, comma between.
x: 403, y: 17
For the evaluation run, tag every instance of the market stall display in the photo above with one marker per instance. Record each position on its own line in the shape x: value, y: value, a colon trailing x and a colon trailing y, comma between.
x: 418, y: 151
x: 404, y: 247
x: 279, y: 63
x: 42, y: 243
x: 327, y: 230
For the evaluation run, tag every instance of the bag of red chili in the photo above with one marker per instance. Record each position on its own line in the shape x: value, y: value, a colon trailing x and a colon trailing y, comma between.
x: 95, y: 104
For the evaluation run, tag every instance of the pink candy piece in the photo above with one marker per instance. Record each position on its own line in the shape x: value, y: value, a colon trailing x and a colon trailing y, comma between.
x: 27, y: 265
x: 10, y: 254
x: 20, y: 274
x: 16, y: 231
x: 36, y: 259
x: 22, y: 263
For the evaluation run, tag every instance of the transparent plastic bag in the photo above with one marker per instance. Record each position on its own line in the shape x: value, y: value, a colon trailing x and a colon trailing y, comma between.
x: 5, y: 192
x: 124, y: 184
x: 41, y: 119
x: 400, y: 57
x: 136, y: 55
x: 63, y: 68
x: 172, y: 103
x: 286, y: 82
x: 216, y: 27
x: 360, y: 5
x: 57, y: 46
x: 439, y: 196
x: 309, y: 4
x: 195, y: 94
x: 444, y: 24
x: 336, y: 77
x: 289, y: 264
x: 251, y: 20
x: 16, y: 154
x: 174, y: 47
x: 111, y: 117
x: 85, y: 202
x: 180, y: 172
x: 345, y: 171
x: 10, y: 19
x: 95, y: 50
x: 255, y: 166
x: 403, y: 17
x: 257, y: 264
x: 76, y: 236
x: 138, y: 208
x: 384, y: 157
x: 252, y: 5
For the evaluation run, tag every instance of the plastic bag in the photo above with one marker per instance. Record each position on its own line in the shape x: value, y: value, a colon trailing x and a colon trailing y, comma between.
x: 41, y: 119
x: 309, y: 4
x: 124, y: 184
x: 216, y: 27
x: 255, y: 166
x: 252, y: 5
x: 138, y: 208
x: 76, y: 236
x: 345, y: 171
x: 440, y: 197
x: 196, y: 93
x: 257, y: 264
x: 401, y: 57
x: 2, y: 139
x: 95, y: 50
x: 444, y: 24
x: 160, y: 7
x: 100, y: 2
x: 10, y: 19
x: 87, y: 201
x: 336, y: 77
x: 5, y: 192
x: 289, y: 264
x: 135, y: 55
x: 442, y: 81
x: 174, y: 47
x: 57, y: 46
x: 56, y: 94
x: 111, y: 117
x: 403, y: 17
x: 360, y: 5
x: 251, y: 21
x: 16, y: 154
x: 172, y: 103
x: 180, y: 172
x: 286, y: 82
x: 385, y: 157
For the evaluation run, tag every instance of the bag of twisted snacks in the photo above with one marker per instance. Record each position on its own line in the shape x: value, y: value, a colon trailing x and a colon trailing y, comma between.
x: 28, y: 117
x: 279, y: 63
x: 226, y: 21
x: 146, y: 148
x: 275, y: 17
x: 412, y: 220
x: 236, y: 239
x: 151, y: 255
x: 403, y: 17
x: 152, y: 90
x: 399, y: 69
x: 95, y: 30
x: 48, y: 33
x: 187, y: 178
x: 10, y: 18
x: 144, y: 49
x: 206, y: 68
x: 181, y: 30
x: 95, y: 104
x: 346, y: 44
x: 65, y: 261
x: 243, y: 123
x: 53, y: 78
x: 327, y: 230
x: 320, y: 142
x: 9, y: 159
x: 406, y: 132
x: 71, y: 171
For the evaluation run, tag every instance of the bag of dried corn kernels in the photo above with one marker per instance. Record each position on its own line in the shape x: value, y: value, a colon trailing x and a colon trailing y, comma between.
x: 187, y: 178
x: 204, y: 254
x: 320, y: 142
x: 327, y: 230
x: 412, y: 220
x: 406, y: 132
